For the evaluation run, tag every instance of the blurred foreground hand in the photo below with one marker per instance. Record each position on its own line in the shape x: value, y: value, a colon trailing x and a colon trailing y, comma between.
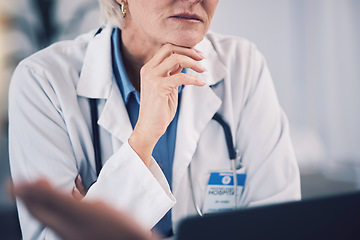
x: 76, y: 220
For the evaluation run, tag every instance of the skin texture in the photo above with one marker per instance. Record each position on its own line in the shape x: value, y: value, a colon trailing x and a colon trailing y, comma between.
x: 158, y: 40
x: 76, y: 220
x: 150, y: 24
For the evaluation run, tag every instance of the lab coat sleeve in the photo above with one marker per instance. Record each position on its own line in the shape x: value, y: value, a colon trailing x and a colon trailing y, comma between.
x: 40, y: 146
x: 264, y: 140
x: 124, y: 175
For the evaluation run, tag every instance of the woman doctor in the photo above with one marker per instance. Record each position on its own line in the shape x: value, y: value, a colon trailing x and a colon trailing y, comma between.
x: 156, y: 78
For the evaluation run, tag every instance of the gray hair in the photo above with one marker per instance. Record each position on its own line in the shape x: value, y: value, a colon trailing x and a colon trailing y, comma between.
x: 111, y: 13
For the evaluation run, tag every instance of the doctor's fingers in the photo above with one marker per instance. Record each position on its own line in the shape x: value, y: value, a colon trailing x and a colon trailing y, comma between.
x: 168, y: 49
x: 79, y: 185
x: 76, y: 194
x: 79, y: 191
x: 183, y: 79
x: 175, y: 63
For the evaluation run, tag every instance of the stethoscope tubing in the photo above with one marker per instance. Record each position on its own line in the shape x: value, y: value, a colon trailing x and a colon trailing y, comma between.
x: 96, y: 135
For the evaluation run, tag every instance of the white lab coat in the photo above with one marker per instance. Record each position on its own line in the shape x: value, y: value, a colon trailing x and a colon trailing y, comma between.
x: 50, y: 130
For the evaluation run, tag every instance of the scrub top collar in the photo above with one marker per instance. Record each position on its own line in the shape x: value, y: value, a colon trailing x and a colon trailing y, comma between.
x: 124, y: 82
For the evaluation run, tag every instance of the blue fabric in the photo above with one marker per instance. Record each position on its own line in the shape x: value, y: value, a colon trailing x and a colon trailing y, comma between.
x: 164, y: 150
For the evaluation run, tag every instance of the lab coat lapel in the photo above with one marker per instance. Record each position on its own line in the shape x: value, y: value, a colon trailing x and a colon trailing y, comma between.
x: 96, y: 73
x: 198, y: 106
x: 115, y: 119
x: 97, y: 82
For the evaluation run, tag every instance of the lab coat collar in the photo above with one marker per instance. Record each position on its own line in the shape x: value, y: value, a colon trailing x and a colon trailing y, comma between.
x: 198, y: 106
x: 216, y: 69
x: 98, y: 82
x: 96, y: 77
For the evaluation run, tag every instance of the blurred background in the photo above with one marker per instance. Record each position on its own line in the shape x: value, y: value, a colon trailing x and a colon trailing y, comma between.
x: 312, y: 49
x: 313, y: 52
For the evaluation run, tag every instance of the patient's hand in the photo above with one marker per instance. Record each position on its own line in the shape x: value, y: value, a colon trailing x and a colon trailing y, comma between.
x: 76, y: 220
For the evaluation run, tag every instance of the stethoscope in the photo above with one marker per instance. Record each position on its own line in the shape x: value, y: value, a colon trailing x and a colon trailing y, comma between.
x: 233, y: 156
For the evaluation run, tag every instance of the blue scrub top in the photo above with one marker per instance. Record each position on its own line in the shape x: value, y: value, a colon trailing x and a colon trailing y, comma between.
x: 163, y: 152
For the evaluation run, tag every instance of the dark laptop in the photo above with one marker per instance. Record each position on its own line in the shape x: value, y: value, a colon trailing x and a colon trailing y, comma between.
x: 334, y: 217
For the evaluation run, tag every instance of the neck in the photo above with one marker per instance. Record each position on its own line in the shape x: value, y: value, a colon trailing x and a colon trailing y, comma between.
x: 136, y: 52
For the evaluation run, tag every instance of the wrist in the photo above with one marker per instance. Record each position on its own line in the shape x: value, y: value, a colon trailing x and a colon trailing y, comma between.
x: 142, y: 145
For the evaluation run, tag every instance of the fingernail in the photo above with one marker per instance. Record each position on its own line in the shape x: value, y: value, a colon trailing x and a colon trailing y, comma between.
x: 200, y: 53
x: 79, y: 177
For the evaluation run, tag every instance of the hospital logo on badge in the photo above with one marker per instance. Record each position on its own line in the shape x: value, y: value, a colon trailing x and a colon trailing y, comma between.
x: 226, y: 180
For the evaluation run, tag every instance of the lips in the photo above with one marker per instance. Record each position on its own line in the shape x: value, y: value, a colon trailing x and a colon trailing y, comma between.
x: 188, y: 16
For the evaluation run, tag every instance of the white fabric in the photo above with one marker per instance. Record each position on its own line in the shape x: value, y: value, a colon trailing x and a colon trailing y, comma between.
x: 50, y: 130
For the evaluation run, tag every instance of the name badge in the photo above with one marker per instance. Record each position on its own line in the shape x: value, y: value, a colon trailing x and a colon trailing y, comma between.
x: 220, y: 194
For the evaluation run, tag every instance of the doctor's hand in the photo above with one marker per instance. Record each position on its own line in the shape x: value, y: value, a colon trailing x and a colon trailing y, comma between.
x: 75, y: 220
x: 79, y: 191
x: 159, y: 82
